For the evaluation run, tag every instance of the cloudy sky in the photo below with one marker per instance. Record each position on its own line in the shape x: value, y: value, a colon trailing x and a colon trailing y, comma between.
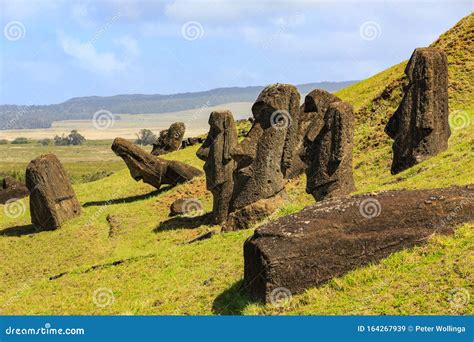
x: 54, y: 50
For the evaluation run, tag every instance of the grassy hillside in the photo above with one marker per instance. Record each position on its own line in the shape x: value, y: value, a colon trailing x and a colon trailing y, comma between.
x: 139, y: 259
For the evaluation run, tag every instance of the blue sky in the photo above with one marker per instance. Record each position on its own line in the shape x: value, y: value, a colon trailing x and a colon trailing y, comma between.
x: 54, y: 50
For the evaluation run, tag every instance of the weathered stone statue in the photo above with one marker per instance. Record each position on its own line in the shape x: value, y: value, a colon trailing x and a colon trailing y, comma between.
x: 52, y: 198
x: 420, y: 126
x: 311, y: 115
x: 152, y: 170
x: 264, y: 156
x: 12, y: 189
x: 219, y: 165
x: 329, y: 154
x: 169, y: 140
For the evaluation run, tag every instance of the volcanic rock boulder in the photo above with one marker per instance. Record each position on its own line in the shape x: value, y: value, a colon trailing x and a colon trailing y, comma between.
x: 264, y: 156
x: 219, y: 165
x: 52, y: 198
x: 311, y: 120
x: 420, y: 126
x: 12, y: 189
x: 336, y: 236
x: 152, y: 170
x: 169, y: 140
x: 329, y: 155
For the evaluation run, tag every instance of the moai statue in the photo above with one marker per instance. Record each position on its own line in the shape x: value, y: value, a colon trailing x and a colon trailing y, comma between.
x: 169, y: 140
x: 52, y: 198
x: 311, y: 115
x: 264, y: 156
x: 420, y: 126
x: 328, y: 153
x: 219, y: 165
x: 152, y: 170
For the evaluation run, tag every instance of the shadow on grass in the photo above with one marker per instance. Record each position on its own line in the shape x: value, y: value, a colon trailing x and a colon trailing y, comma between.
x: 128, y: 199
x: 19, y: 230
x: 183, y: 222
x: 232, y: 301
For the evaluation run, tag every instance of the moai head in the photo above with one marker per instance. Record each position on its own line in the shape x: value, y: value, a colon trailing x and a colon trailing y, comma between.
x: 169, y: 140
x: 311, y: 120
x: 420, y: 126
x: 216, y: 149
x: 265, y: 155
x: 329, y: 154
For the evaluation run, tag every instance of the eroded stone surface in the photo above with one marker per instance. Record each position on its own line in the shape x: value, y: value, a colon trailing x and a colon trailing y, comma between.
x: 219, y: 165
x: 152, y: 170
x: 52, y: 198
x: 329, y: 155
x: 420, y: 126
x: 170, y: 139
x: 264, y: 156
x: 336, y: 236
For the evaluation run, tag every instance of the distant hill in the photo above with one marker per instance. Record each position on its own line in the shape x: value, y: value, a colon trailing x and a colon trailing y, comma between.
x: 21, y: 117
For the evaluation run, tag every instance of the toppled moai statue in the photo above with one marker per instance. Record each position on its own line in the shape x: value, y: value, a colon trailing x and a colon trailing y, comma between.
x: 420, y: 126
x: 311, y: 120
x: 52, y: 198
x: 152, y: 170
x: 12, y: 189
x: 219, y: 165
x: 264, y: 156
x: 336, y: 236
x: 169, y: 140
x: 329, y: 155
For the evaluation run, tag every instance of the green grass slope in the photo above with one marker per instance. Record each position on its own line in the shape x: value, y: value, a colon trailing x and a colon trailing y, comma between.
x: 141, y: 263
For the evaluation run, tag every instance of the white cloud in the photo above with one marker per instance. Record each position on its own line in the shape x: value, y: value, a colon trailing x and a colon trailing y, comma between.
x: 129, y: 44
x: 89, y: 58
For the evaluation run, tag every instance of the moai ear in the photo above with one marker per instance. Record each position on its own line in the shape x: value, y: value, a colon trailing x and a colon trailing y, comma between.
x: 227, y: 143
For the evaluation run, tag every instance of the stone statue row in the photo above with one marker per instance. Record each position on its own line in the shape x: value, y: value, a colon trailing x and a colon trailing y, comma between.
x: 247, y: 178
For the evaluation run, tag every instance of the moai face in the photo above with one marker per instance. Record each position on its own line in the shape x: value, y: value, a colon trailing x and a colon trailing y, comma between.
x: 420, y: 126
x: 265, y: 154
x: 175, y: 135
x: 170, y: 139
x: 329, y: 155
x: 216, y: 149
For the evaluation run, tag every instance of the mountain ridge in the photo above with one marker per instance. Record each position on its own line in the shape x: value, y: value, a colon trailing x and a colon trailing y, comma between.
x: 77, y: 108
